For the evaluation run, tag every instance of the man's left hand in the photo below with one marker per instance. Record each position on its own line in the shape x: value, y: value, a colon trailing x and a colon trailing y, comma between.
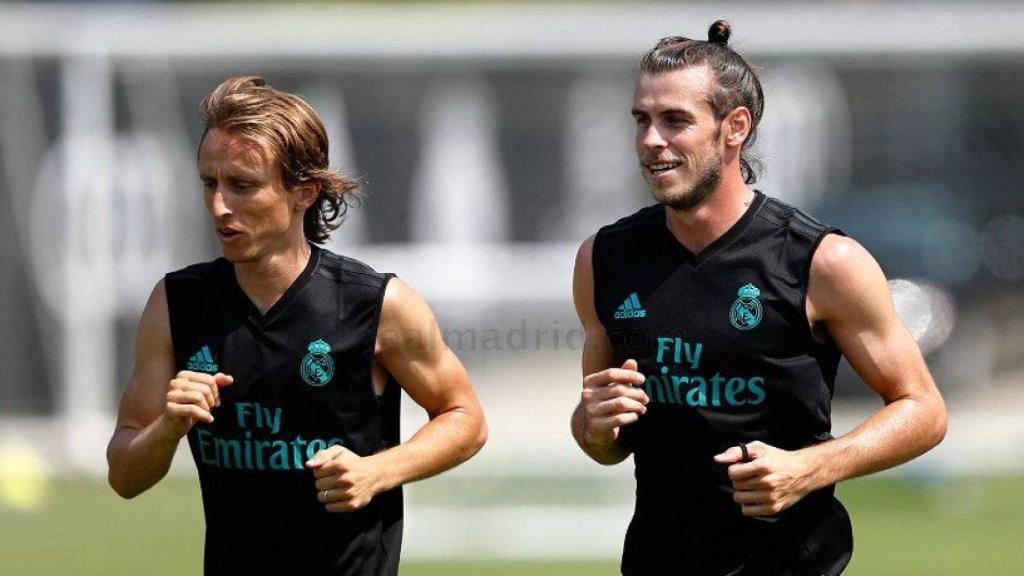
x: 345, y: 481
x: 770, y: 481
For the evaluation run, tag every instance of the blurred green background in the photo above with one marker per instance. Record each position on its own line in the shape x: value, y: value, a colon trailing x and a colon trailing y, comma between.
x: 901, y: 526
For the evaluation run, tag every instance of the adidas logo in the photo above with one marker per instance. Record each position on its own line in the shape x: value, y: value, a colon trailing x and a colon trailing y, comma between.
x: 630, y: 308
x: 202, y: 361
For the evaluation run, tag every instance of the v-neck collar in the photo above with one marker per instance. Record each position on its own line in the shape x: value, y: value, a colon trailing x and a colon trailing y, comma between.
x: 253, y: 312
x: 720, y: 243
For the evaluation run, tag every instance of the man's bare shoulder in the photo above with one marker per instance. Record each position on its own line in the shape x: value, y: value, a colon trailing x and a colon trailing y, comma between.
x: 839, y: 260
x: 153, y: 364
x: 406, y: 320
x: 844, y: 278
x: 154, y: 325
x: 585, y: 254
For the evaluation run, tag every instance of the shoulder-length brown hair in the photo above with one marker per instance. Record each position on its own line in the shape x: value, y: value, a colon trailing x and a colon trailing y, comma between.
x: 287, y: 126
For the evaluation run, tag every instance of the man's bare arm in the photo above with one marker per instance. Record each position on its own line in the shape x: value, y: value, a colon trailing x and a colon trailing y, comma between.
x: 608, y: 400
x: 157, y: 408
x: 849, y: 296
x: 411, y: 348
x: 849, y: 293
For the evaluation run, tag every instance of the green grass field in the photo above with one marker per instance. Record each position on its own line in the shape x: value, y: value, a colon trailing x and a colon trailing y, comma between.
x: 964, y: 526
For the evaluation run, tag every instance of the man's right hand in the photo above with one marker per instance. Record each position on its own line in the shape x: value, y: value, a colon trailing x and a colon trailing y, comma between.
x: 610, y: 400
x: 191, y: 397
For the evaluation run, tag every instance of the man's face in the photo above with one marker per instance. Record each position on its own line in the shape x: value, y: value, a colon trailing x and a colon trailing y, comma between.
x: 678, y: 138
x: 254, y: 214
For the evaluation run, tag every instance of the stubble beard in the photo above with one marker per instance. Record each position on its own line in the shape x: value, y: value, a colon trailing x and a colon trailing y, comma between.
x: 702, y: 189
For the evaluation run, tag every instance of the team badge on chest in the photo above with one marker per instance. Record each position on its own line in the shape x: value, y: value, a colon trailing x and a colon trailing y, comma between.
x: 317, y: 367
x: 746, y: 310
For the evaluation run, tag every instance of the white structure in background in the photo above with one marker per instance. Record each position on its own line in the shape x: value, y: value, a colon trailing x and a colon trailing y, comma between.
x: 87, y: 267
x: 804, y: 139
x: 157, y: 185
x: 459, y: 194
x: 22, y: 147
x: 117, y: 194
x: 329, y: 104
x: 604, y: 173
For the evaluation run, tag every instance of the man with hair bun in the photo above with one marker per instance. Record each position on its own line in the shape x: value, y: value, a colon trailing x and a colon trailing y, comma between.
x: 283, y: 363
x: 715, y: 320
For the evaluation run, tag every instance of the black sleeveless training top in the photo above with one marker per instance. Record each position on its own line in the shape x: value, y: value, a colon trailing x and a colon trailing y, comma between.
x: 302, y: 382
x: 723, y: 340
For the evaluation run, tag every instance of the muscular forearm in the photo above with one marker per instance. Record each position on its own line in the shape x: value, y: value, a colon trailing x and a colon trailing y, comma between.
x: 444, y: 442
x: 139, y: 458
x: 901, y: 431
x: 606, y: 454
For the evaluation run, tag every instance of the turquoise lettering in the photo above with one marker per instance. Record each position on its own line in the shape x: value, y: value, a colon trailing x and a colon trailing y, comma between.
x: 249, y: 454
x: 313, y: 447
x: 297, y: 445
x: 662, y: 345
x: 655, y: 384
x: 716, y: 384
x: 680, y: 350
x: 756, y: 387
x: 676, y: 382
x: 732, y: 388
x: 248, y: 450
x: 229, y: 452
x: 279, y: 459
x: 670, y: 391
x: 274, y: 419
x: 697, y: 396
x: 260, y: 446
x: 241, y: 410
x: 693, y: 355
x: 204, y: 436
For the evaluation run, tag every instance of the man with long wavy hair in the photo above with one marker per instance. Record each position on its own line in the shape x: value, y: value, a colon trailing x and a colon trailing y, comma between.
x: 283, y: 363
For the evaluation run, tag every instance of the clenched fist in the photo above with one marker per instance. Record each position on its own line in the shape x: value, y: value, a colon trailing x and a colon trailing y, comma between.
x: 769, y: 480
x: 611, y: 400
x: 191, y: 397
x: 345, y: 481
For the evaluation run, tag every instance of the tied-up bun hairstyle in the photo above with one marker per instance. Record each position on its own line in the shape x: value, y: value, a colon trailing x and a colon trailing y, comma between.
x: 286, y: 126
x: 735, y: 82
x: 719, y: 32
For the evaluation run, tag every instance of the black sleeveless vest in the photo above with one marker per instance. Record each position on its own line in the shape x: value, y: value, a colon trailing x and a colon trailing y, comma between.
x: 302, y: 382
x: 723, y: 340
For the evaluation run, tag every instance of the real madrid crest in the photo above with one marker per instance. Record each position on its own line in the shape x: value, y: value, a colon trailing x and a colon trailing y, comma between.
x: 746, y: 310
x: 317, y: 366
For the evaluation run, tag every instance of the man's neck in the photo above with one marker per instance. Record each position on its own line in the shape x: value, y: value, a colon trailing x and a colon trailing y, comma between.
x: 696, y: 229
x: 264, y: 281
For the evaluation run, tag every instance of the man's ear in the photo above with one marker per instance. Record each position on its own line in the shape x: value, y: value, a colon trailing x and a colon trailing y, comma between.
x: 736, y: 127
x: 306, y: 194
